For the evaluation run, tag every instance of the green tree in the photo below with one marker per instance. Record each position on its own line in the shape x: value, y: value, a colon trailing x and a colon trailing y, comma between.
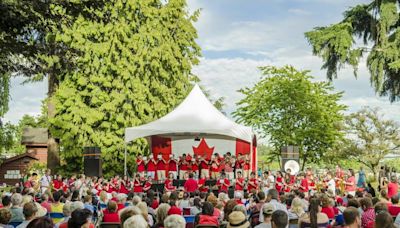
x: 376, y: 26
x: 132, y: 65
x: 286, y: 107
x: 370, y: 137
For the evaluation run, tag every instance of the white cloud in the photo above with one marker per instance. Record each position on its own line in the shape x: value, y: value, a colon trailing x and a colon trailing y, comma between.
x: 301, y: 12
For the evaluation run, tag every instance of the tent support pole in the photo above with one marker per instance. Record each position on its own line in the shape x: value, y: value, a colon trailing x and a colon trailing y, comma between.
x: 125, y: 169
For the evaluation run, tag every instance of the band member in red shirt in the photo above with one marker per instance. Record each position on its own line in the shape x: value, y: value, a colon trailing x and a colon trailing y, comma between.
x: 57, y: 183
x: 141, y: 166
x: 229, y: 166
x: 252, y: 184
x: 151, y: 167
x: 161, y: 168
x: 124, y: 185
x: 239, y: 185
x: 204, y: 167
x: 191, y: 184
x: 147, y: 184
x: 246, y: 167
x: 223, y: 183
x: 172, y: 167
x: 137, y: 184
x: 214, y: 168
x: 195, y: 168
x: 169, y: 183
x: 239, y: 164
x: 202, y: 184
x: 303, y: 184
x: 182, y: 167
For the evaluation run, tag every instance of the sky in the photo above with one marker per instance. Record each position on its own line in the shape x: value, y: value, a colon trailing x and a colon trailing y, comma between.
x: 238, y: 36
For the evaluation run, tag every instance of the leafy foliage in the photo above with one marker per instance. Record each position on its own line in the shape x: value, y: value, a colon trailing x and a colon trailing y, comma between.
x: 131, y: 65
x: 286, y: 107
x: 370, y: 137
x: 377, y: 26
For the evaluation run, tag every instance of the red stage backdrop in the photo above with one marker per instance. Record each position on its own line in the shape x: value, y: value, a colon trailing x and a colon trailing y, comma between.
x: 205, y: 146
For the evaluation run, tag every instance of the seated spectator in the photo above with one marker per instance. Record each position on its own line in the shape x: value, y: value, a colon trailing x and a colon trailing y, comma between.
x: 161, y: 214
x: 267, y: 211
x: 121, y: 200
x: 174, y: 221
x: 87, y: 200
x: 352, y: 217
x: 196, y: 206
x: 238, y: 220
x: 380, y: 207
x: 103, y: 200
x: 45, y: 202
x: 17, y: 214
x: 314, y: 217
x: 56, y: 206
x: 29, y: 211
x: 5, y: 216
x: 394, y: 209
x: 384, y: 197
x: 174, y: 210
x: 368, y: 214
x: 184, y: 203
x: 241, y: 208
x: 145, y: 213
x: 214, y: 201
x: 356, y: 204
x: 296, y: 209
x: 279, y: 219
x: 41, y: 222
x: 273, y: 198
x: 327, y: 207
x: 136, y: 221
x: 206, y: 217
x: 67, y: 213
x: 79, y: 218
x: 384, y: 220
x: 111, y: 213
x: 128, y: 212
x: 6, y: 202
x: 229, y: 208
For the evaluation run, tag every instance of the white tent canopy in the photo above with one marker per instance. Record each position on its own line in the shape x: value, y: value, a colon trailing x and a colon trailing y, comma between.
x: 195, y: 115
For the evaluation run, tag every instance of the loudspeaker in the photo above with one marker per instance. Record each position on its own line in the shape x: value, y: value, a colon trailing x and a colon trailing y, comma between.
x: 92, y: 161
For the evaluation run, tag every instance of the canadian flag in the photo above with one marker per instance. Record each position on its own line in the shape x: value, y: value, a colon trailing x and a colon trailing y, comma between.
x: 207, y: 146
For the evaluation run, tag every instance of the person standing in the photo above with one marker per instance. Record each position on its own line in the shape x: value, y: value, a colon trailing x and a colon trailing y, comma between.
x: 191, y: 184
x: 161, y: 168
x: 183, y: 166
x: 351, y: 183
x: 172, y: 167
x: 239, y: 164
x: 204, y: 167
x: 137, y: 185
x: 361, y: 178
x: 45, y: 181
x: 229, y: 168
x: 239, y: 185
x: 141, y: 166
x: 393, y: 187
x: 151, y: 167
x: 252, y: 184
x: 246, y: 167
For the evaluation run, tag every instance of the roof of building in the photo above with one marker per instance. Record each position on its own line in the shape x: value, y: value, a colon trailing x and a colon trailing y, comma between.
x: 34, y: 136
x: 21, y: 156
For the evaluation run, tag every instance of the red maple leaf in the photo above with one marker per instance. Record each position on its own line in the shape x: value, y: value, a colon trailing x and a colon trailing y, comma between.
x: 203, y: 149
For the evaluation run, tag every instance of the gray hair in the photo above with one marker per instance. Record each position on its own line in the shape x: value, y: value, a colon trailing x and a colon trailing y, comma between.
x: 241, y: 208
x: 77, y: 205
x: 16, y: 199
x: 174, y: 221
x: 136, y: 221
x: 136, y: 200
x: 162, y: 212
x: 67, y: 209
x: 121, y: 197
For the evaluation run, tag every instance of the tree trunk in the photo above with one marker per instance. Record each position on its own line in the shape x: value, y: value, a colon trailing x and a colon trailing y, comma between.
x: 53, y: 152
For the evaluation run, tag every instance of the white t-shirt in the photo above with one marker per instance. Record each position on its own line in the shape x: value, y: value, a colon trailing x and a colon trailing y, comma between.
x: 332, y: 186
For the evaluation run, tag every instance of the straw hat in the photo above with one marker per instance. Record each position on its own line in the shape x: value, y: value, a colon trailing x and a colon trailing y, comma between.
x: 238, y: 220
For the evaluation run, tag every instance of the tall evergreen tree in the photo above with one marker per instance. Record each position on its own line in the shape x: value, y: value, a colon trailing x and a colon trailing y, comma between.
x: 376, y: 26
x: 132, y: 65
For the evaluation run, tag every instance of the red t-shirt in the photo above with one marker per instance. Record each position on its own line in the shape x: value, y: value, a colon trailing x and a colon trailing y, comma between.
x: 172, y: 166
x: 202, y: 182
x: 304, y: 185
x: 168, y: 184
x: 393, y: 189
x: 154, y: 204
x: 123, y: 189
x: 147, y: 186
x: 214, y: 167
x: 329, y: 212
x: 394, y: 210
x: 195, y: 167
x: 161, y: 165
x: 237, y: 186
x: 151, y: 166
x: 110, y: 216
x: 141, y: 167
x: 57, y: 184
x: 137, y: 186
x: 223, y: 185
x: 279, y: 184
x: 184, y: 166
x: 351, y: 187
x: 254, y: 182
x: 191, y: 185
x: 246, y: 165
x: 204, y: 164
